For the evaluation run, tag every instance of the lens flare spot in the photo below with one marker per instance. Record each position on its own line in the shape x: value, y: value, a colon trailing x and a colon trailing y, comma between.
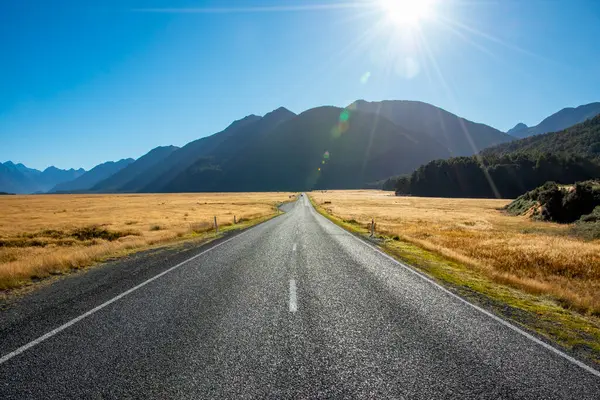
x: 365, y: 78
x: 319, y: 169
x: 344, y: 126
x: 326, y: 155
x: 323, y: 162
x: 345, y: 115
x: 408, y: 68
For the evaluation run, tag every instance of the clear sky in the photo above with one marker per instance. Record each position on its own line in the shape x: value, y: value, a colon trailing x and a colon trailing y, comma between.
x: 84, y: 82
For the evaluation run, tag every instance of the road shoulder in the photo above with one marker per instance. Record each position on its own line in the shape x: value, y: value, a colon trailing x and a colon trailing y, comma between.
x: 576, y: 334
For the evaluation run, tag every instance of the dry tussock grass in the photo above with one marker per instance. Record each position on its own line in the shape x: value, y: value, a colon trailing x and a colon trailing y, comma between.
x: 52, y: 234
x: 538, y: 257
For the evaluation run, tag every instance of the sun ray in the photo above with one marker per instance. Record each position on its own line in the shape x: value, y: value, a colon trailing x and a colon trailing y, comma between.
x: 263, y: 9
x: 461, y: 122
x: 491, y: 38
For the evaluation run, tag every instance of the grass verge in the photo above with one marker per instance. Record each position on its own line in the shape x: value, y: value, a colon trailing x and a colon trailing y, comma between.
x: 91, y: 235
x: 576, y: 333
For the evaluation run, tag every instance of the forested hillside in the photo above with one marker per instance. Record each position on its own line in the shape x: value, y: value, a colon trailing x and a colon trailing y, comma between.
x: 511, y: 169
x: 581, y: 139
x: 507, y: 176
x: 558, y: 121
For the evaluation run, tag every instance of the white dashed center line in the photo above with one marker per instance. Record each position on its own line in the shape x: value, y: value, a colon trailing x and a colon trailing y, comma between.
x: 294, y: 247
x: 293, y: 301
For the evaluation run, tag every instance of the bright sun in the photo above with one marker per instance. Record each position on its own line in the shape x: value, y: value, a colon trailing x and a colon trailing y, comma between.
x: 407, y: 12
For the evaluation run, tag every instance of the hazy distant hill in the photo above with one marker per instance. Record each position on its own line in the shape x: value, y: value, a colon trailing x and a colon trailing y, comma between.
x: 235, y: 138
x: 460, y: 136
x: 17, y: 178
x: 517, y: 128
x: 92, y: 177
x: 325, y: 147
x: 115, y: 182
x: 556, y: 122
x: 582, y: 140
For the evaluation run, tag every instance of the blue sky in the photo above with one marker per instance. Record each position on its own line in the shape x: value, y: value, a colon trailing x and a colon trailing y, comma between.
x: 86, y: 82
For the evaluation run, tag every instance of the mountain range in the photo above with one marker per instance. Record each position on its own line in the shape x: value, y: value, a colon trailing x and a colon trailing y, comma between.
x: 563, y: 119
x: 131, y: 172
x: 581, y: 140
x: 92, y: 177
x: 324, y: 147
x: 17, y: 178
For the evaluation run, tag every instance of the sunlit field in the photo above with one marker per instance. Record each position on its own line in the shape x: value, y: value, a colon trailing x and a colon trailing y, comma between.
x: 539, y: 257
x: 52, y: 234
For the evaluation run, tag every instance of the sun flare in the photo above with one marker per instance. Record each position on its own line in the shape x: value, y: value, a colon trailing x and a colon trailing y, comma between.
x: 407, y: 12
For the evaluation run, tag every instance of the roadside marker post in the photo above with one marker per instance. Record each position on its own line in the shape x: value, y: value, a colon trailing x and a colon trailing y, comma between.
x: 372, y: 227
x: 216, y: 225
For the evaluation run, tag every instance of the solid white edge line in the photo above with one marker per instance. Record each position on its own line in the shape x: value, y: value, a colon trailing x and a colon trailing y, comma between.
x: 293, y: 299
x: 489, y: 314
x: 72, y: 322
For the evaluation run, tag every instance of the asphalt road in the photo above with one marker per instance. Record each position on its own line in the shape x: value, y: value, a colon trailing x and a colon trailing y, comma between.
x: 293, y: 308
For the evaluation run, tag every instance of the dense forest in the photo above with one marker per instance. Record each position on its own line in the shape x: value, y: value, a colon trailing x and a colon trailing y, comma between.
x: 506, y: 176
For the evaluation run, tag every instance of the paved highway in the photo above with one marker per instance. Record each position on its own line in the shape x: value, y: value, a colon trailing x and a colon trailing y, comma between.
x: 293, y: 308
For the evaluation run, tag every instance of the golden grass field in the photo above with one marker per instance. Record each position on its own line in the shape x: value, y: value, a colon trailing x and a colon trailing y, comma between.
x: 538, y: 257
x: 52, y: 234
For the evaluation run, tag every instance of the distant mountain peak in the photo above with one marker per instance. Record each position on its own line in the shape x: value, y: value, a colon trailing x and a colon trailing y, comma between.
x: 459, y: 135
x: 280, y: 113
x: 280, y: 110
x: 247, y: 119
x: 518, y: 127
x: 560, y: 120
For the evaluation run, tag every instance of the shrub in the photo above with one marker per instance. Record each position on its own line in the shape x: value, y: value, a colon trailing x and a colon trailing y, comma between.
x: 559, y: 204
x: 97, y: 232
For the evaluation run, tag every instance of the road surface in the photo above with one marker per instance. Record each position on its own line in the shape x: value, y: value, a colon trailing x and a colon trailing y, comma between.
x: 293, y: 308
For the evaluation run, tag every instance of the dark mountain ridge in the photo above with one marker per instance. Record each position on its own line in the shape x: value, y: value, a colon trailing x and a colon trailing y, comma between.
x: 460, y: 136
x: 582, y: 140
x: 563, y: 119
x: 155, y: 177
x: 325, y: 147
x: 128, y: 174
x: 220, y: 146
